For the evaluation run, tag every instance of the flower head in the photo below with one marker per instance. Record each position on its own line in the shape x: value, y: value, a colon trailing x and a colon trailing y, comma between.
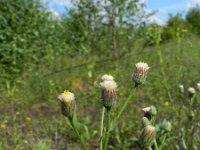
x: 181, y: 88
x: 149, y: 112
x: 198, y: 86
x: 147, y: 136
x: 68, y: 103
x: 107, y: 77
x: 191, y: 92
x: 108, y: 93
x: 140, y: 73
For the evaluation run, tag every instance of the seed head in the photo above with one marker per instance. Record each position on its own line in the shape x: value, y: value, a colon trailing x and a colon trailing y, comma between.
x: 198, y: 86
x: 68, y: 103
x: 191, y: 92
x: 147, y: 136
x: 107, y: 77
x: 140, y: 73
x: 108, y: 93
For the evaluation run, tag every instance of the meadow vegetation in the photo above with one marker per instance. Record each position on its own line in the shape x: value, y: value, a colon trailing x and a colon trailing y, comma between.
x: 41, y: 56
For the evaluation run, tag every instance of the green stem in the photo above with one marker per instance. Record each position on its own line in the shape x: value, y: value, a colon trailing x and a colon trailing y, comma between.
x: 77, y: 133
x: 163, y: 141
x: 107, y: 129
x: 101, y: 130
x: 123, y: 107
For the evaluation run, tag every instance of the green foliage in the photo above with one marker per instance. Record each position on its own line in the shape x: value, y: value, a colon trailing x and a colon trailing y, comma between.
x: 193, y: 17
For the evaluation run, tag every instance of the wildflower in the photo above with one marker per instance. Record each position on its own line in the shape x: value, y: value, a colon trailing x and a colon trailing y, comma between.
x: 149, y: 112
x: 184, y: 30
x: 108, y: 93
x: 140, y: 73
x: 181, y: 88
x: 147, y: 136
x: 191, y: 92
x: 3, y: 126
x: 107, y: 78
x: 17, y: 113
x: 198, y: 86
x: 28, y: 119
x: 68, y: 103
x: 166, y: 104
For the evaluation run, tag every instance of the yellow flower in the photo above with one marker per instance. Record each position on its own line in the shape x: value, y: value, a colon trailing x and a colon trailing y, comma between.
x: 3, y: 126
x: 28, y: 119
x: 184, y: 30
x: 66, y: 92
x: 17, y: 113
x: 166, y: 104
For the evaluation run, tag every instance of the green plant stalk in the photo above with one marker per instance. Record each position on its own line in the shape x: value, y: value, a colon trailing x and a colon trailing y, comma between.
x: 101, y: 129
x: 77, y: 133
x: 124, y: 106
x: 107, y: 129
x: 162, y: 143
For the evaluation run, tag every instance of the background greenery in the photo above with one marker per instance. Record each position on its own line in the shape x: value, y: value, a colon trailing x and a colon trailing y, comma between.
x: 40, y: 56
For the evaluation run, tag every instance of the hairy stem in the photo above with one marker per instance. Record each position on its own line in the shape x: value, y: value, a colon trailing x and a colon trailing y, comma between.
x: 107, y: 129
x: 77, y: 133
x: 101, y: 129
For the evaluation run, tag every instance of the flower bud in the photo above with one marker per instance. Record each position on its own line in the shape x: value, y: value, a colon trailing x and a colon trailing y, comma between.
x: 68, y: 103
x: 147, y: 136
x: 108, y: 93
x: 140, y: 73
x: 166, y: 125
x: 107, y: 78
x: 181, y: 88
x: 145, y: 121
x: 198, y: 86
x: 191, y: 92
x: 149, y: 112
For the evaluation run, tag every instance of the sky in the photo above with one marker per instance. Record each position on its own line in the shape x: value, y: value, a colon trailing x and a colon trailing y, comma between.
x: 162, y: 7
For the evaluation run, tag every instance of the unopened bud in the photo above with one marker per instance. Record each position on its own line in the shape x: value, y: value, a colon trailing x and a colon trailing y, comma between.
x: 191, y: 92
x: 167, y: 126
x: 147, y: 136
x: 68, y: 103
x: 145, y: 121
x: 108, y: 93
x: 181, y: 88
x: 140, y: 73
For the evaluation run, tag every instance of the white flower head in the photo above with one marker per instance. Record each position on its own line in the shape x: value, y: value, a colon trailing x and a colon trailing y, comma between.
x: 107, y: 77
x: 181, y: 88
x: 140, y: 73
x: 66, y: 96
x: 147, y: 136
x: 108, y: 93
x: 191, y: 92
x: 198, y: 86
x: 109, y: 85
x: 68, y: 104
x: 146, y: 109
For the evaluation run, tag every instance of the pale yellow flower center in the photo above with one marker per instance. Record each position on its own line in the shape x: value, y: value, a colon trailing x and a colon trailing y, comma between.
x: 66, y: 92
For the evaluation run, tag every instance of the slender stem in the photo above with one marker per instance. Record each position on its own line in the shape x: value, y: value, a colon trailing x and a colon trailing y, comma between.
x: 124, y: 106
x: 77, y: 133
x: 163, y: 141
x: 156, y: 145
x: 101, y: 130
x: 107, y: 129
